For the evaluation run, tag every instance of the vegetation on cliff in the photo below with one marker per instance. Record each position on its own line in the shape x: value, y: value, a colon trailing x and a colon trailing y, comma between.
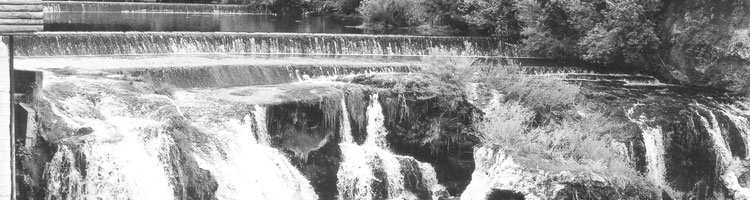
x: 546, y: 123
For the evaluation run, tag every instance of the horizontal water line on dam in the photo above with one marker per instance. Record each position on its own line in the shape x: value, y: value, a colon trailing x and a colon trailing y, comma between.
x: 137, y: 43
x: 64, y: 6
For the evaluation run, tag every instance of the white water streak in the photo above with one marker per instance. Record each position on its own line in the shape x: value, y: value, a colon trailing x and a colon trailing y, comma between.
x: 252, y: 170
x: 376, y: 131
x: 126, y: 169
x: 355, y: 176
x: 724, y: 155
x: 346, y: 128
x: 261, y: 126
x: 653, y: 139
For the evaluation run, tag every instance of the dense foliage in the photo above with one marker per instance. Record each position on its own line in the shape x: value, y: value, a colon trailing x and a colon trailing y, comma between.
x: 696, y: 43
x: 394, y: 13
x: 606, y: 32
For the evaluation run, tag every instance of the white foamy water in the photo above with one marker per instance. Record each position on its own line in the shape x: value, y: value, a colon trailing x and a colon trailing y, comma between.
x: 261, y: 130
x: 724, y: 156
x: 356, y: 177
x: 376, y: 131
x: 120, y: 159
x: 253, y: 170
x: 130, y: 153
x: 346, y: 127
x: 653, y: 140
x: 738, y: 117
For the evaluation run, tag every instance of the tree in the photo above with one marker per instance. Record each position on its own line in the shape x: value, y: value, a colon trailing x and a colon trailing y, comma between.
x: 602, y: 31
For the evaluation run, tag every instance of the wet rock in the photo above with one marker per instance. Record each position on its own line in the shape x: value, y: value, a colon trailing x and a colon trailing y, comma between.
x: 307, y: 132
x: 498, y: 176
x: 302, y: 127
x: 505, y: 195
x: 83, y: 131
x: 321, y: 168
x: 707, y: 40
x: 430, y: 120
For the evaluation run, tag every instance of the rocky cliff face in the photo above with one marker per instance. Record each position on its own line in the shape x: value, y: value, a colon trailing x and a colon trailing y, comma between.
x: 498, y: 176
x: 707, y: 42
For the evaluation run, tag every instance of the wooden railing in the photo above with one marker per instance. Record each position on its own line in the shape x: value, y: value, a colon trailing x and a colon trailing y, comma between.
x: 20, y: 16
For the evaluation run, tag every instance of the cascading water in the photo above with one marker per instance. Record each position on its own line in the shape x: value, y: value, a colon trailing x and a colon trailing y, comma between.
x: 251, y: 169
x: 261, y: 130
x: 132, y: 43
x: 375, y: 123
x: 120, y: 159
x: 346, y: 128
x: 142, y: 147
x: 370, y: 171
x: 653, y: 140
x: 724, y: 158
x: 246, y: 75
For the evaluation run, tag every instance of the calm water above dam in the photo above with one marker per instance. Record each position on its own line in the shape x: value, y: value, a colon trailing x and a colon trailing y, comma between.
x: 201, y: 22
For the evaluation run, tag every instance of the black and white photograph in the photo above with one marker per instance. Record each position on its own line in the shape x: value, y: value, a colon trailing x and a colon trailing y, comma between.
x: 374, y: 99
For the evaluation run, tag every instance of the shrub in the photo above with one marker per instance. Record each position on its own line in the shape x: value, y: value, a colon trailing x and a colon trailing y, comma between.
x: 572, y: 137
x: 538, y: 93
x: 503, y: 124
x: 498, y: 16
x: 332, y: 7
x: 571, y: 144
x: 450, y: 69
x: 347, y: 6
x: 606, y: 32
x: 543, y: 93
x: 393, y: 13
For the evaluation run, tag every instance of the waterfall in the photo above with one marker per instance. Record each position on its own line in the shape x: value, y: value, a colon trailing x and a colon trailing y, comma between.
x: 724, y: 159
x: 133, y: 43
x: 257, y: 74
x: 125, y: 165
x: 65, y: 6
x: 271, y: 177
x: 261, y: 128
x: 346, y: 127
x: 375, y: 123
x: 253, y: 170
x: 370, y: 171
x: 737, y: 116
x: 653, y: 139
x: 142, y: 146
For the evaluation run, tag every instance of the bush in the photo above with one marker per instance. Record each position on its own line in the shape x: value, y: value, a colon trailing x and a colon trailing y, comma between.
x: 332, y: 7
x: 347, y: 6
x: 503, y: 124
x: 538, y: 93
x: 393, y: 13
x: 497, y: 16
x: 452, y: 70
x: 572, y: 135
x: 606, y: 32
x: 571, y: 144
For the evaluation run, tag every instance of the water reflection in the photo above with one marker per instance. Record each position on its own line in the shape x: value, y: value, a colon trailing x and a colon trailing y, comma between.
x: 116, y: 21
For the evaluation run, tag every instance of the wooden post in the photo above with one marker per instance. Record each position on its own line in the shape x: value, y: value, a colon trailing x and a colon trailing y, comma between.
x: 6, y: 117
x: 16, y: 16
